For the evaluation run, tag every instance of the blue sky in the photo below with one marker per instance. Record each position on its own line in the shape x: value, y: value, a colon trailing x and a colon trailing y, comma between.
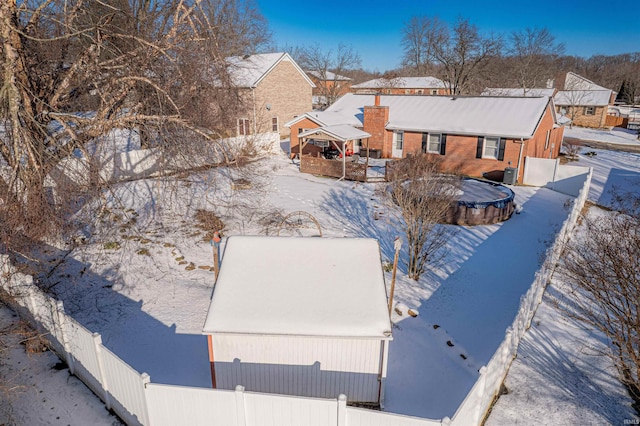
x: 373, y: 28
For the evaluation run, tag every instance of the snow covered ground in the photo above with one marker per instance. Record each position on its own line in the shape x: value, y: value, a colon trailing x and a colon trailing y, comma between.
x: 560, y: 375
x: 36, y: 388
x: 616, y: 135
x: 150, y: 310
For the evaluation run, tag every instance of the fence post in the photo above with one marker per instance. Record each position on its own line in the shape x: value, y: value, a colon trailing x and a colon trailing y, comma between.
x: 97, y: 343
x: 240, y: 411
x: 342, y: 410
x: 145, y: 380
x: 479, y: 412
x: 61, y: 323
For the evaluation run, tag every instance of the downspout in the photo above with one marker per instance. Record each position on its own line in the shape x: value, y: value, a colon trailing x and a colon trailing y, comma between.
x: 520, y: 159
x: 255, y: 124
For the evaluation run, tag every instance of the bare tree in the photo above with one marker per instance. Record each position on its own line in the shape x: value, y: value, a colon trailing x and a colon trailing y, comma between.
x: 329, y: 67
x: 532, y: 51
x: 419, y: 35
x: 75, y: 71
x: 462, y: 54
x: 601, y: 265
x: 419, y: 198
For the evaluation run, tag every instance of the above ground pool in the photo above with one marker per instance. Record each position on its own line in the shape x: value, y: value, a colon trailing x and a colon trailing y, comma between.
x: 481, y: 202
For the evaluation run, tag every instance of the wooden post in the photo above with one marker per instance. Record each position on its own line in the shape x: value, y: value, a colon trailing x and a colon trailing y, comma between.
x: 215, y: 243
x: 397, y: 245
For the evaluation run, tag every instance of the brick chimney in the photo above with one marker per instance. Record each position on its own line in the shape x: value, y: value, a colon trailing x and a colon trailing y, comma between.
x: 375, y: 119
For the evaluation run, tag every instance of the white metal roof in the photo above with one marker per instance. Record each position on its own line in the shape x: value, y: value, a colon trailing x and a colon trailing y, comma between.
x: 402, y: 83
x: 341, y: 132
x: 583, y: 97
x: 511, y: 117
x: 248, y: 71
x: 331, y: 287
x: 504, y: 91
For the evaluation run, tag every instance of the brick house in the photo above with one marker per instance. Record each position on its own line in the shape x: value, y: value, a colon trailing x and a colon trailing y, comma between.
x: 275, y: 90
x: 329, y: 87
x: 402, y: 86
x: 584, y: 102
x: 475, y: 136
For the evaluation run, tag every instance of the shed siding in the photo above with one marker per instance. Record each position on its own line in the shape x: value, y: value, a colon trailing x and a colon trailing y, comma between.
x: 303, y: 366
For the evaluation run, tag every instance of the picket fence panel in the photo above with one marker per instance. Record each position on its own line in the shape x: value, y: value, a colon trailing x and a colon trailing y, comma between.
x: 364, y: 417
x: 177, y: 405
x: 284, y: 410
x: 125, y: 387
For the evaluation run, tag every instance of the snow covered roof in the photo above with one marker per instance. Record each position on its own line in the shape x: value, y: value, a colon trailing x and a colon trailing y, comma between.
x: 573, y: 81
x: 583, y: 97
x: 402, y: 83
x: 328, y: 76
x: 331, y: 287
x: 248, y: 71
x: 341, y: 132
x: 504, y: 91
x: 510, y: 117
x: 352, y: 117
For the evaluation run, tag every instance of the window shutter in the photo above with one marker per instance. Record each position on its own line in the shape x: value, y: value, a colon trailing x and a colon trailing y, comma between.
x: 443, y: 144
x: 479, y: 148
x: 501, y: 149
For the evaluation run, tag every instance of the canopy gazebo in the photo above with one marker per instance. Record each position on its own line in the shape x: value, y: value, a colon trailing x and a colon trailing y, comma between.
x: 337, y: 137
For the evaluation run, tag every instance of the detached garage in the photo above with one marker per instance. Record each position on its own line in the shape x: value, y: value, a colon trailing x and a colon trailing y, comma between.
x: 300, y: 316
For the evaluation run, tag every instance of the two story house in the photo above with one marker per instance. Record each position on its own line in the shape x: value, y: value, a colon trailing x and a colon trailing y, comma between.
x: 274, y: 88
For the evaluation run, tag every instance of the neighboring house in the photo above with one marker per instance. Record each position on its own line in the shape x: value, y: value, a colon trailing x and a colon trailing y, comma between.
x: 329, y: 87
x: 402, y: 86
x: 584, y: 102
x: 300, y: 316
x: 503, y: 91
x: 475, y: 136
x: 275, y: 90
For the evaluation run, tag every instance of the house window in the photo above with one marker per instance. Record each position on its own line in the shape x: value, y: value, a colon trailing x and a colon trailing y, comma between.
x: 274, y: 124
x: 491, y: 147
x: 434, y: 143
x: 399, y: 137
x: 419, y: 92
x: 243, y: 126
x: 407, y: 91
x: 434, y: 91
x: 546, y: 142
x: 589, y: 110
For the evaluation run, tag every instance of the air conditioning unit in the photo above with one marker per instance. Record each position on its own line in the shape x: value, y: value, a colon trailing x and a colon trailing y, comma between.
x: 510, y: 176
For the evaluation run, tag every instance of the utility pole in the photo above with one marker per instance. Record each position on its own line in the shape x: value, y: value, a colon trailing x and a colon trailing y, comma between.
x: 397, y: 245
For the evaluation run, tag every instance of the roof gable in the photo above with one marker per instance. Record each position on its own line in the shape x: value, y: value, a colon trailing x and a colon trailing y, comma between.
x: 250, y: 70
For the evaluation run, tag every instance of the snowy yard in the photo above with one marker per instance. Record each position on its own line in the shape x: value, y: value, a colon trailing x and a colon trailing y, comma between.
x: 129, y: 283
x: 560, y: 375
x: 150, y: 311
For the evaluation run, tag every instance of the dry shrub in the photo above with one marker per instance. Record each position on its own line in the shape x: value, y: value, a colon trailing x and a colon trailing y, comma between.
x: 209, y: 222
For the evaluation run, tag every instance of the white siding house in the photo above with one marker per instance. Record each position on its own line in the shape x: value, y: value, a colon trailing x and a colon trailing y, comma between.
x: 300, y: 316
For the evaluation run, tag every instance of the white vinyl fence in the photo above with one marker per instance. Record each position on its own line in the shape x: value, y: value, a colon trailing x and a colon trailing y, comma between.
x: 550, y: 173
x: 478, y: 401
x: 139, y: 402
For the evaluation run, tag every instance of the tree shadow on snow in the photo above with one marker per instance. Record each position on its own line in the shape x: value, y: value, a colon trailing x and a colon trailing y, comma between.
x: 140, y: 340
